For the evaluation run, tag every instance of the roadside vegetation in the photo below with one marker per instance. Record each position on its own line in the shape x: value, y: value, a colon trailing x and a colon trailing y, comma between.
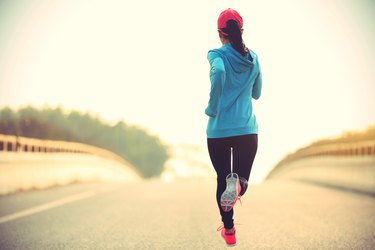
x: 144, y: 151
x: 350, y: 136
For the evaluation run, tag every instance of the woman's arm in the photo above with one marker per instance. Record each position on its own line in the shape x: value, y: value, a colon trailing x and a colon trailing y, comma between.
x: 217, y: 78
x: 257, y: 88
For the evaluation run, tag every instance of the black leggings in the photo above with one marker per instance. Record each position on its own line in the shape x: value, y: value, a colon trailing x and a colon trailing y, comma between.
x: 244, y: 148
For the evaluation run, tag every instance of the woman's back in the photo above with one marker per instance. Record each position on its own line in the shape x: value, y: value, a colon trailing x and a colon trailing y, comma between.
x: 238, y: 80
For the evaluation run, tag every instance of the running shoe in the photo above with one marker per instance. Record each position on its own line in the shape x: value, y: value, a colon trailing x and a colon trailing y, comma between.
x: 231, y: 193
x: 229, y: 235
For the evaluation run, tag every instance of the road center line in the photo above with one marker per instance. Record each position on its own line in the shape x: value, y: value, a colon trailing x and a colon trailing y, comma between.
x: 46, y: 206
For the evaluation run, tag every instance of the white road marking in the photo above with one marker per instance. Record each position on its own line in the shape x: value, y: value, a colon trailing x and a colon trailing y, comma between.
x: 47, y: 206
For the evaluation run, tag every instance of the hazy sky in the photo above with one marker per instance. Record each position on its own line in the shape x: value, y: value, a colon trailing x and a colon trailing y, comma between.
x: 145, y: 62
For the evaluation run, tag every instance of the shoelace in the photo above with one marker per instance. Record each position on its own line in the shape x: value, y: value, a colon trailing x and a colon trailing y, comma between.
x: 221, y: 227
x: 239, y: 199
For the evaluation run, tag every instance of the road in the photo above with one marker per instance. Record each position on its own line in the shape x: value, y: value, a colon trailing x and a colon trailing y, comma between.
x: 183, y: 215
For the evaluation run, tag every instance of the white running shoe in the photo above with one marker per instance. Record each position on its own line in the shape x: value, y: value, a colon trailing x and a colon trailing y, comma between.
x: 231, y: 193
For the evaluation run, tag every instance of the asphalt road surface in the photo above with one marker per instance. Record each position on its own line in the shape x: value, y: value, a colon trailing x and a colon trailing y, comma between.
x: 183, y: 215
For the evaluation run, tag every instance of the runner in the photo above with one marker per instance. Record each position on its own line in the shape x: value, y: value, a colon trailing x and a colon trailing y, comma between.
x: 232, y: 127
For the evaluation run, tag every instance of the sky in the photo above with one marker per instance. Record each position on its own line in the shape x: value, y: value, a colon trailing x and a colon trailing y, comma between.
x: 144, y: 62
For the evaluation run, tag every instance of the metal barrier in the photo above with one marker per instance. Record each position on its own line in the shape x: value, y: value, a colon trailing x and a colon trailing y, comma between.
x: 11, y: 143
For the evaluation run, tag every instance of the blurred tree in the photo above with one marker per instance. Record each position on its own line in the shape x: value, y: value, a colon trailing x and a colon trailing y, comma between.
x: 8, y: 121
x: 146, y: 152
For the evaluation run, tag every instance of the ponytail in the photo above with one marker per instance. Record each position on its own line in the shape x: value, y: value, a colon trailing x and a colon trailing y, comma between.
x: 233, y: 33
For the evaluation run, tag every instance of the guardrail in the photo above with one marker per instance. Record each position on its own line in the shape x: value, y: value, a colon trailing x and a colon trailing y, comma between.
x: 11, y: 143
x: 338, y: 149
x: 354, y: 149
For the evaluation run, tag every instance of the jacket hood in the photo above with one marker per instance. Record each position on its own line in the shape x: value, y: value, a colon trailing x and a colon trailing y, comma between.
x: 240, y: 74
x: 238, y: 63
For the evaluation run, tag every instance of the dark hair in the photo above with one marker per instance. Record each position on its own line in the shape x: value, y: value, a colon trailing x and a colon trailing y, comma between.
x: 233, y: 33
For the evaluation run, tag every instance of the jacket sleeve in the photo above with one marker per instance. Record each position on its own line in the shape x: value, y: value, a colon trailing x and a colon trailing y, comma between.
x: 217, y: 78
x: 257, y: 88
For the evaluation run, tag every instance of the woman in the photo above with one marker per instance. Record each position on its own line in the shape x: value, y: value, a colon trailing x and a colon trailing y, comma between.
x: 232, y: 128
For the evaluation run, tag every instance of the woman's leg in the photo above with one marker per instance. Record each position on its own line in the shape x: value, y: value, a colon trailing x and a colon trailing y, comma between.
x: 244, y: 151
x: 220, y: 154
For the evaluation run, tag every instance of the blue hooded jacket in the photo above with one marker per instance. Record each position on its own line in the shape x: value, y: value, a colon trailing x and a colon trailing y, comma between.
x: 235, y: 80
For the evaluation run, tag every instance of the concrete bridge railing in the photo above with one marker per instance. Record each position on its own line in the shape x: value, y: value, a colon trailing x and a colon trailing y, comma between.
x: 348, y: 166
x: 32, y: 164
x: 340, y: 149
x: 363, y: 148
x: 11, y: 143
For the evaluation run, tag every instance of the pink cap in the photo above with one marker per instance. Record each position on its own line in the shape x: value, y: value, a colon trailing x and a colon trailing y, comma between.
x: 227, y: 15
